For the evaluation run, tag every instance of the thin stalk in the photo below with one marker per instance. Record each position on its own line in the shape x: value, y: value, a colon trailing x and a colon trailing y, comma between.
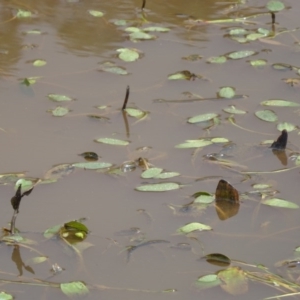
x: 126, y: 97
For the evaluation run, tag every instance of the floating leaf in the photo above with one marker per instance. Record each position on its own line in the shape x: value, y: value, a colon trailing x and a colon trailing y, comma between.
x: 8, y: 178
x: 234, y: 280
x: 275, y: 5
x: 282, y: 67
x: 276, y: 202
x: 128, y: 54
x: 254, y: 36
x: 193, y: 227
x: 266, y: 115
x: 60, y: 111
x: 233, y: 110
x: 218, y: 259
x: 194, y: 144
x: 135, y: 113
x: 286, y: 126
x: 208, y: 281
x: 261, y: 186
x: 75, y: 288
x: 204, y: 198
x: 23, y: 13
x: 140, y: 35
x: 92, y: 165
x: 156, y: 28
x: 238, y: 31
x: 182, y: 75
x: 113, y: 68
x: 258, y: 62
x: 226, y: 92
x: 5, y: 296
x: 59, y: 98
x: 133, y: 29
x: 151, y: 173
x: 167, y: 175
x: 96, y: 13
x: 264, y: 31
x: 202, y: 118
x: 89, y: 156
x: 217, y: 140
x: 158, y: 187
x: 217, y: 60
x: 241, y: 54
x: 26, y: 184
x: 110, y: 141
x: 35, y: 260
x: 39, y: 63
x: 279, y: 103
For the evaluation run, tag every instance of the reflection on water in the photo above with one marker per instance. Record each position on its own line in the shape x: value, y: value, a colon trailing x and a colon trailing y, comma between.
x: 75, y: 46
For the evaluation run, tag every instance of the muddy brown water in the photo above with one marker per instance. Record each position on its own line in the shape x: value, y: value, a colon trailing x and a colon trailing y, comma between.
x: 74, y: 44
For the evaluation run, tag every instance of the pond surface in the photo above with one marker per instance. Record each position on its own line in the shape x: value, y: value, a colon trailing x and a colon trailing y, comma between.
x: 75, y: 42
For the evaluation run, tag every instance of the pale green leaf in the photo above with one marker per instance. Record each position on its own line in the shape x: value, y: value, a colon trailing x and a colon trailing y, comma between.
x: 92, y: 165
x: 5, y: 296
x: 52, y: 231
x: 36, y: 260
x: 208, y: 281
x: 140, y: 35
x: 26, y: 184
x: 156, y: 28
x: 60, y: 111
x: 254, y: 36
x: 194, y: 144
x: 75, y: 288
x: 193, y: 227
x: 133, y: 29
x: 266, y: 115
x: 202, y: 118
x: 151, y: 173
x: 241, y: 54
x: 219, y: 140
x: 217, y: 60
x: 227, y: 92
x: 233, y: 110
x: 128, y: 54
x: 135, y: 113
x: 279, y: 102
x: 275, y: 5
x: 158, y: 187
x: 261, y: 186
x: 113, y: 68
x: 167, y: 175
x: 287, y: 126
x: 23, y: 13
x: 258, y: 62
x: 280, y: 203
x: 96, y: 13
x: 59, y: 98
x: 39, y: 63
x: 205, y: 199
x: 110, y: 141
x: 238, y: 31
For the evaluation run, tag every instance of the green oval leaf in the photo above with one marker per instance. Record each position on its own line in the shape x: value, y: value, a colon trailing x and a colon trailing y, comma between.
x: 26, y: 185
x: 128, y: 54
x: 238, y: 31
x: 140, y: 35
x: 110, y: 141
x: 135, y: 113
x: 39, y: 63
x: 287, y: 126
x: 217, y: 140
x: 151, y: 173
x: 204, y: 198
x: 217, y: 60
x: 275, y: 5
x: 194, y: 144
x: 156, y: 28
x: 208, y: 281
x: 258, y: 62
x: 202, y: 118
x: 60, y: 111
x: 279, y: 102
x: 226, y: 92
x: 59, y: 98
x: 193, y: 227
x: 92, y: 165
x: 158, y: 187
x: 266, y: 115
x: 241, y: 54
x: 5, y: 296
x: 167, y: 175
x: 96, y: 13
x: 233, y: 110
x: 280, y: 203
x: 75, y: 288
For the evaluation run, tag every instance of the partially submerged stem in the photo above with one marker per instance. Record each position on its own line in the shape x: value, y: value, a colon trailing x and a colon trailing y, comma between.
x: 126, y: 98
x: 273, y: 17
x: 144, y: 4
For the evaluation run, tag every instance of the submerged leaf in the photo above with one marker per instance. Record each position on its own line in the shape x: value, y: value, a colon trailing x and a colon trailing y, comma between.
x: 75, y: 288
x: 59, y: 171
x: 202, y: 118
x: 35, y: 260
x: 266, y: 115
x: 280, y: 203
x: 158, y: 187
x: 188, y: 228
x: 110, y: 141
